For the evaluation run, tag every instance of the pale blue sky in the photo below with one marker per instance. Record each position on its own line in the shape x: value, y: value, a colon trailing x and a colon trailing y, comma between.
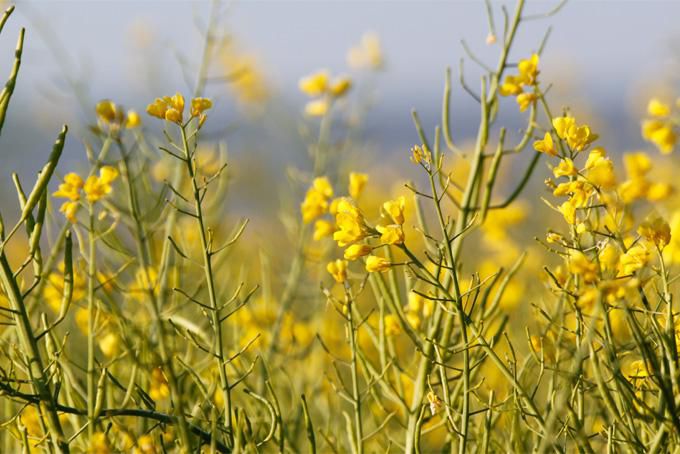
x: 610, y: 45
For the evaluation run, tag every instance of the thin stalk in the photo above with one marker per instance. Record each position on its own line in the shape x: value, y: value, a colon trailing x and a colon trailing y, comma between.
x: 218, y: 346
x: 356, y: 395
x: 91, y: 276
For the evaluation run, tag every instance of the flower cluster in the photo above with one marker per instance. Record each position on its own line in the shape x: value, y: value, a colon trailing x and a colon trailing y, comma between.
x: 320, y: 86
x: 94, y: 187
x: 660, y: 129
x: 171, y: 108
x: 514, y: 85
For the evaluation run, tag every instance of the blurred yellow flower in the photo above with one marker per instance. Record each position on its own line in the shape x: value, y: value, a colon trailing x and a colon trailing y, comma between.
x: 317, y: 107
x: 395, y: 209
x: 357, y: 182
x: 366, y: 55
x: 97, y: 187
x: 657, y: 108
x: 322, y: 229
x: 315, y: 84
x: 656, y: 230
x: 355, y: 251
x: 377, y: 264
x: 338, y: 269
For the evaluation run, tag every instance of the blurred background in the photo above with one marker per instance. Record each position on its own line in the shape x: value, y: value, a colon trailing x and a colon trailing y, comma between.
x: 605, y: 59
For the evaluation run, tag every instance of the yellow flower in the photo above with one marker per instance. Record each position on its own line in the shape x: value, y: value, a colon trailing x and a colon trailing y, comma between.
x: 108, y: 112
x: 70, y: 210
x: 657, y: 108
x: 159, y: 388
x: 315, y: 84
x: 580, y: 265
x: 600, y: 169
x: 99, y: 444
x: 565, y: 168
x: 97, y: 187
x: 413, y: 319
x: 415, y: 302
x: 109, y: 344
x: 420, y: 154
x: 350, y: 223
x: 637, y: 164
x: 340, y: 86
x: 608, y: 257
x: 546, y: 145
x: 656, y: 230
x: 377, y: 264
x: 199, y: 106
x: 525, y: 100
x: 661, y: 134
x: 392, y: 326
x: 357, y: 182
x: 322, y: 229
x: 355, y: 251
x: 132, y: 119
x: 568, y: 210
x: 395, y: 209
x: 634, y: 259
x: 338, y: 269
x: 368, y: 54
x: 323, y: 186
x: 511, y: 86
x: 391, y: 234
x: 528, y: 69
x: 577, y: 137
x: 71, y: 187
x: 317, y: 108
x: 316, y: 200
x: 168, y: 108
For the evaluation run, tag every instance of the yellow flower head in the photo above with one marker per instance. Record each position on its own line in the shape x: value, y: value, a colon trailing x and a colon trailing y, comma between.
x: 634, y: 259
x: 368, y: 54
x: 340, y: 86
x: 577, y: 137
x: 199, y: 106
x: 70, y: 188
x: 317, y: 107
x: 528, y: 69
x: 392, y: 326
x: 97, y: 187
x: 420, y: 154
x: 565, y: 168
x: 357, y: 182
x: 316, y: 200
x: 70, y: 210
x: 132, y: 119
x: 355, y: 251
x: 395, y: 209
x: 315, y: 84
x: 546, y: 145
x: 391, y: 234
x: 657, y: 231
x: 524, y: 100
x: 657, y: 108
x: 377, y: 264
x: 661, y: 134
x: 511, y: 86
x: 350, y: 223
x: 169, y: 108
x: 338, y: 269
x: 108, y: 112
x: 322, y: 229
